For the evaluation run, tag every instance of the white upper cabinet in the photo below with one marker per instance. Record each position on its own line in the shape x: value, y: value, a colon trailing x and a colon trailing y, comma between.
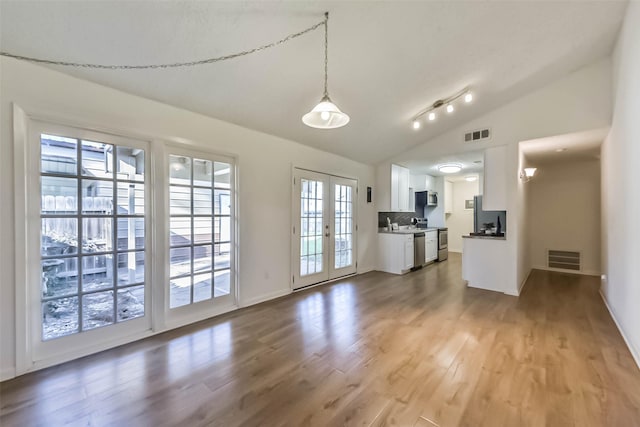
x: 495, y: 179
x: 399, y: 188
x: 448, y: 197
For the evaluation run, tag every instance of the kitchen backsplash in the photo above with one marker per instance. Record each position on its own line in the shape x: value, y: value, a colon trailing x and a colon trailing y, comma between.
x: 402, y: 218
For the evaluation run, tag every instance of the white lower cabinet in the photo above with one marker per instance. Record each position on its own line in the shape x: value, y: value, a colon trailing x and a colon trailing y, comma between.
x: 395, y: 252
x: 431, y: 245
x: 408, y: 252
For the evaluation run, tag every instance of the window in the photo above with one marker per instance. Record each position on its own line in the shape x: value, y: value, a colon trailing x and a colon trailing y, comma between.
x: 200, y: 229
x: 92, y: 239
x: 93, y: 270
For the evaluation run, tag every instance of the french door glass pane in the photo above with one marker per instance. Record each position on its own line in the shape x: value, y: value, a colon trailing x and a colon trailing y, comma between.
x: 222, y: 280
x: 179, y: 170
x: 59, y: 236
x: 202, y: 173
x: 97, y: 159
x: 97, y: 310
x: 202, y: 258
x: 97, y: 197
x: 130, y: 303
x: 83, y: 235
x: 59, y: 195
x: 201, y: 287
x: 130, y: 198
x: 343, y: 226
x: 59, y: 155
x: 180, y: 261
x: 200, y: 198
x: 97, y: 272
x: 311, y: 232
x: 130, y: 268
x: 60, y: 317
x: 59, y: 278
x: 130, y: 164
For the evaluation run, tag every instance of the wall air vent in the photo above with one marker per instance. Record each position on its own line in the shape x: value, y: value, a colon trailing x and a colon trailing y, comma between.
x: 564, y: 260
x: 477, y: 135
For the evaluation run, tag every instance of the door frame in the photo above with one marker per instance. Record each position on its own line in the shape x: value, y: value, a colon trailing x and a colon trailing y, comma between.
x: 293, y: 222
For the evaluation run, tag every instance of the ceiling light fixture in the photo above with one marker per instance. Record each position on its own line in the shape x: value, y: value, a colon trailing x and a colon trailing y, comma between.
x: 325, y: 115
x: 450, y: 168
x: 561, y: 150
x: 471, y: 178
x: 430, y: 110
x: 416, y: 124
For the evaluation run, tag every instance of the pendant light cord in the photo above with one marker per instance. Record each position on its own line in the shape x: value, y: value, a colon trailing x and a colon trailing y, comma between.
x: 191, y: 63
x: 326, y: 54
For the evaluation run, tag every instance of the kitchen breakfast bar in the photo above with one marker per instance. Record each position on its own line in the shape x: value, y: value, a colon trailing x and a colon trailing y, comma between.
x: 484, y: 261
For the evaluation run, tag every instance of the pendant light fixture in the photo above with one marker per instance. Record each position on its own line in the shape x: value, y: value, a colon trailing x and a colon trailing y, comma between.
x: 325, y: 115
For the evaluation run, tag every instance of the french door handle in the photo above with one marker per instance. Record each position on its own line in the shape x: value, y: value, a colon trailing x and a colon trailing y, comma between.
x: 326, y: 234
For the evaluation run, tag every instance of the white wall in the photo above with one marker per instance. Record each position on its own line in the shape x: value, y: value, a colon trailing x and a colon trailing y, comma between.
x: 522, y: 194
x: 621, y: 186
x: 577, y: 102
x: 564, y: 212
x: 264, y: 163
x: 460, y: 221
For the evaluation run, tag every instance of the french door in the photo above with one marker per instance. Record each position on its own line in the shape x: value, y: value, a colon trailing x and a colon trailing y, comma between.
x: 324, y: 229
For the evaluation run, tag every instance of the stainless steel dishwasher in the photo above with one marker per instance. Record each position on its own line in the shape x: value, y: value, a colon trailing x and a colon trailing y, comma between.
x: 418, y: 250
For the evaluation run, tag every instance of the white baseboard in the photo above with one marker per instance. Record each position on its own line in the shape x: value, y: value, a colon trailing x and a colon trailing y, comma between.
x: 458, y: 251
x: 559, y: 270
x: 524, y: 281
x: 7, y: 374
x: 266, y: 297
x: 634, y: 353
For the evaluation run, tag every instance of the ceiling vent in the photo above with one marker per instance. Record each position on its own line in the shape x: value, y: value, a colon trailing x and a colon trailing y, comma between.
x: 477, y: 135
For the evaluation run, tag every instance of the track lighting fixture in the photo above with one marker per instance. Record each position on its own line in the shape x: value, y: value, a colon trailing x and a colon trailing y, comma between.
x: 430, y: 111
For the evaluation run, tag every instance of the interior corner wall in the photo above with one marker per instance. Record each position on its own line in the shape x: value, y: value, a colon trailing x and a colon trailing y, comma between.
x: 620, y: 157
x: 460, y: 220
x: 264, y: 173
x: 564, y: 212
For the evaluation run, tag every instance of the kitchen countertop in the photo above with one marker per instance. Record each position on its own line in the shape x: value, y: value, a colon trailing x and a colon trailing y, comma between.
x: 488, y: 237
x: 407, y: 230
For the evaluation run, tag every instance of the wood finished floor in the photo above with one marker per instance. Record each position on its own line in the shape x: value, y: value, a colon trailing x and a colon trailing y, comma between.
x: 374, y: 350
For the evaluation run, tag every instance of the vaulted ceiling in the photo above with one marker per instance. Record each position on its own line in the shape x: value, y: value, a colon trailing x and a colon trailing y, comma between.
x: 387, y: 60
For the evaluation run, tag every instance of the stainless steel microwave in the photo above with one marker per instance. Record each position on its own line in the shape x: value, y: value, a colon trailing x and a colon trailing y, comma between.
x: 432, y: 198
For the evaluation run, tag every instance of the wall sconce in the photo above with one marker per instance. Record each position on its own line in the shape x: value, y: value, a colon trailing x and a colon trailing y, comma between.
x: 527, y: 173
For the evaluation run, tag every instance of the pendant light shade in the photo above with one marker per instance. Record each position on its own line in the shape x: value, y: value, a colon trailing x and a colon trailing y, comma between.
x: 325, y: 115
